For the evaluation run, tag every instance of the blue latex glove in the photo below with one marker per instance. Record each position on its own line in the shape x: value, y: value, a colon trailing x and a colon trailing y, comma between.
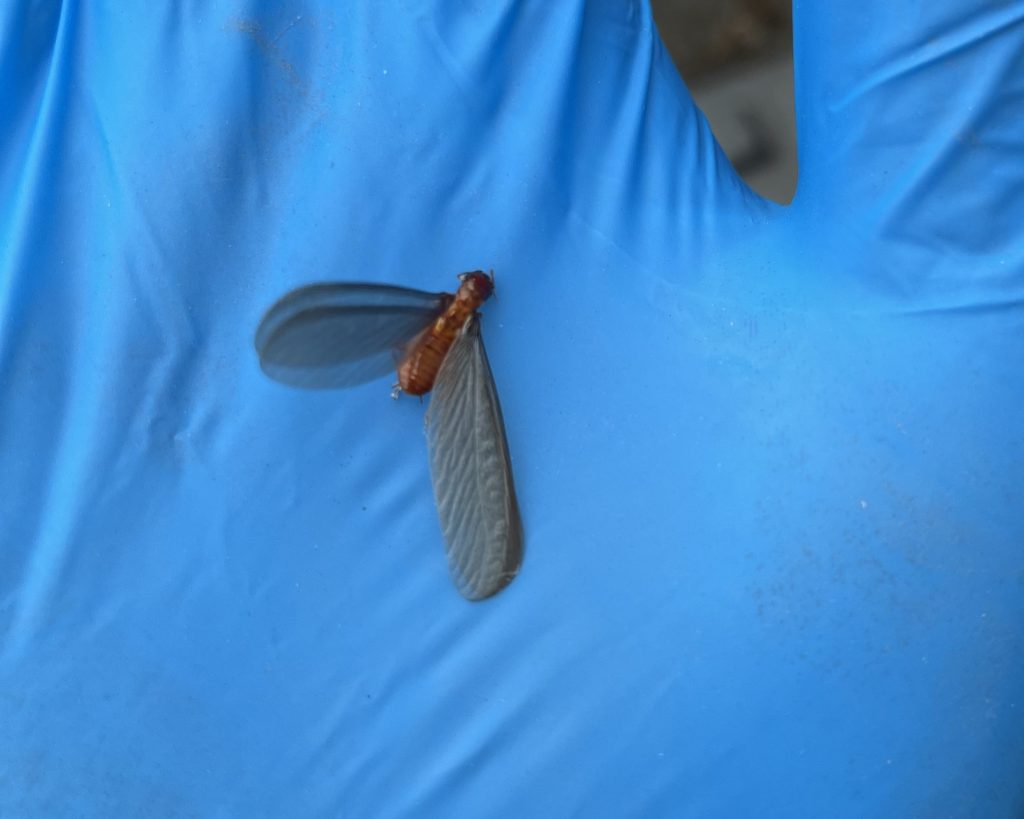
x: 769, y: 460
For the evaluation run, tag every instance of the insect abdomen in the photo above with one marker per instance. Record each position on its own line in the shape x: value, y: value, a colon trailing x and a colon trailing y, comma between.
x: 419, y: 369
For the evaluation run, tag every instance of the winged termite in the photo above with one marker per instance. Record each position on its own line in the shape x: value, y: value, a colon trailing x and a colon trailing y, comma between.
x: 342, y: 334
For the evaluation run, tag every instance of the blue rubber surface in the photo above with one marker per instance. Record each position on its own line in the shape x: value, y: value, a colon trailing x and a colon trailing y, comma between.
x: 769, y: 459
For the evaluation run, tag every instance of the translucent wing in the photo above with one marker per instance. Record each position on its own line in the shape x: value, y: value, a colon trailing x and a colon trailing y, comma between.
x: 470, y: 468
x: 339, y: 335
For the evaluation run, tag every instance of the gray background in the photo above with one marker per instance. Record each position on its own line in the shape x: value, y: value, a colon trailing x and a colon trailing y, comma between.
x: 737, y: 58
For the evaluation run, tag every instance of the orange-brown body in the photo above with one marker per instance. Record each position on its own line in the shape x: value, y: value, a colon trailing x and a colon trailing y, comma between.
x: 418, y: 369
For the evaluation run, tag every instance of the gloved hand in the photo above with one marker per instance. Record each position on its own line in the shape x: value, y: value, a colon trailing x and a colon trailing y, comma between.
x: 768, y: 459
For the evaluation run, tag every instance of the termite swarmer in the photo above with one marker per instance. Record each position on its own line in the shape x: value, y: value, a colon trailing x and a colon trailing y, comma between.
x: 341, y: 334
